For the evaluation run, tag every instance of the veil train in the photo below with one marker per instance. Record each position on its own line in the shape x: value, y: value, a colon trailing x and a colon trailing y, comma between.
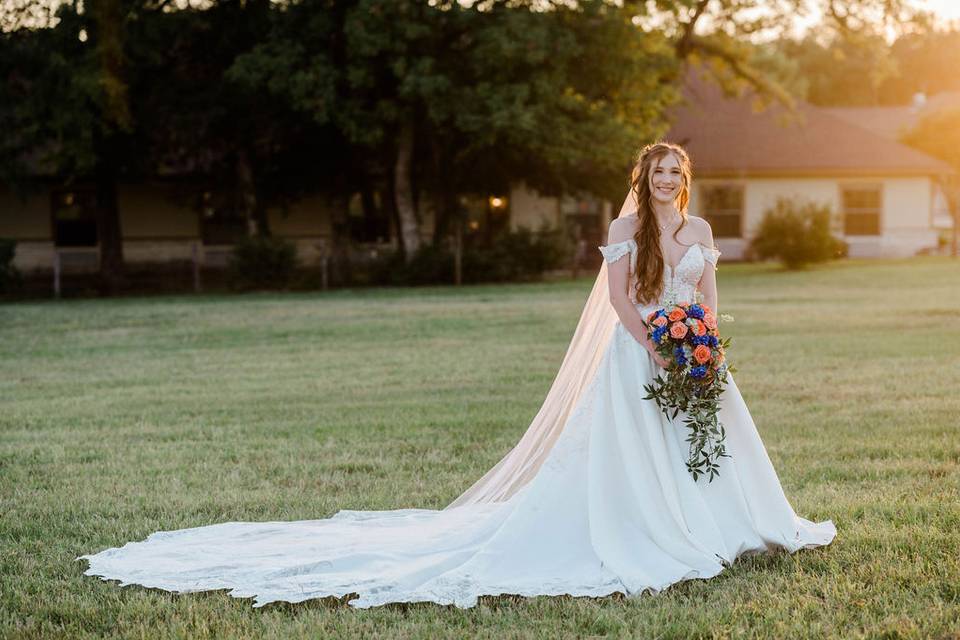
x: 578, y: 367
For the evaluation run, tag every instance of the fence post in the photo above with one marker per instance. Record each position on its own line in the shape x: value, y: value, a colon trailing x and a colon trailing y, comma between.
x: 324, y: 268
x: 56, y: 273
x: 195, y: 259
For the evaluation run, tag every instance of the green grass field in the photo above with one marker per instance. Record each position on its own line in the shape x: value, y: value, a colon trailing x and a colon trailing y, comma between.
x: 123, y: 417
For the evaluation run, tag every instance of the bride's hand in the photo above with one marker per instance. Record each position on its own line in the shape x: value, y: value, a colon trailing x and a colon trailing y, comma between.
x: 659, y: 359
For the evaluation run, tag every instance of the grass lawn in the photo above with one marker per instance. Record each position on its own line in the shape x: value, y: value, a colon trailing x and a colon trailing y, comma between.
x: 119, y: 418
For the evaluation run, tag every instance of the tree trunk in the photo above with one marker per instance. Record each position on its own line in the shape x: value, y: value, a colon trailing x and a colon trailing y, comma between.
x: 115, y: 121
x: 109, y: 232
x: 390, y: 202
x: 458, y: 251
x: 340, y: 270
x: 253, y: 213
x: 403, y: 193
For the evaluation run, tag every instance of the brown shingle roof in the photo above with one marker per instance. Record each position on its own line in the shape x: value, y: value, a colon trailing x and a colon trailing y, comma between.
x: 724, y: 136
x: 892, y: 122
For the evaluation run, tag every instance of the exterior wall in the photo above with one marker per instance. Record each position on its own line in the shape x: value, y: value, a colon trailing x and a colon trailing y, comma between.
x: 905, y: 220
x: 156, y: 228
x: 307, y: 224
x: 150, y: 212
x: 528, y: 208
x: 25, y: 220
x: 307, y: 218
x: 28, y: 222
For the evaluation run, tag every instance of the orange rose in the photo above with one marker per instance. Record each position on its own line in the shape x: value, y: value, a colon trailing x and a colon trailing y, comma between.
x: 706, y: 308
x: 678, y: 330
x: 660, y: 321
x: 651, y: 316
x: 677, y: 314
x: 710, y: 320
x: 698, y: 328
x: 702, y: 354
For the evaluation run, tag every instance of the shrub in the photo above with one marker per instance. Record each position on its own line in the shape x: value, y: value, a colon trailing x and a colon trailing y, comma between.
x: 513, y: 256
x: 518, y: 255
x: 796, y: 233
x: 262, y: 262
x: 10, y: 279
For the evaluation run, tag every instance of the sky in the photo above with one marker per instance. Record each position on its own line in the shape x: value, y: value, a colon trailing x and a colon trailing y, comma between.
x: 948, y: 9
x: 943, y: 9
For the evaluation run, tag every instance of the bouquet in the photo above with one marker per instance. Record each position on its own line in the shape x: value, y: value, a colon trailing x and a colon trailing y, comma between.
x: 687, y: 336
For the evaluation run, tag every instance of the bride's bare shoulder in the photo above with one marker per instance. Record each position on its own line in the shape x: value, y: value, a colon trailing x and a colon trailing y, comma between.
x: 702, y: 230
x: 622, y: 229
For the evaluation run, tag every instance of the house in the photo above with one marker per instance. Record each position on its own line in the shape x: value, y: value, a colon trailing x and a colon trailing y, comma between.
x: 892, y: 122
x: 162, y: 220
x: 884, y: 194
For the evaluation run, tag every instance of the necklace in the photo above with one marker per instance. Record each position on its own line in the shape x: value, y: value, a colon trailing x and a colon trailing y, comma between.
x: 663, y: 227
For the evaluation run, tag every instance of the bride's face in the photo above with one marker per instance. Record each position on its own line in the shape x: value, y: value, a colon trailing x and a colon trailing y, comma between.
x: 666, y: 179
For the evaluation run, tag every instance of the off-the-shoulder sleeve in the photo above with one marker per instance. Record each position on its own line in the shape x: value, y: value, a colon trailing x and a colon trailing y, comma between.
x: 615, y: 251
x: 710, y: 254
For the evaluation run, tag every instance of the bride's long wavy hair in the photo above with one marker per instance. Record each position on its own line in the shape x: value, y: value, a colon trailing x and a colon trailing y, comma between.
x: 650, y: 261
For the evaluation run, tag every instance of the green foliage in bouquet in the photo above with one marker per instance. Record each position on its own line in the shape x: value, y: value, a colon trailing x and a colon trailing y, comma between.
x: 693, y: 382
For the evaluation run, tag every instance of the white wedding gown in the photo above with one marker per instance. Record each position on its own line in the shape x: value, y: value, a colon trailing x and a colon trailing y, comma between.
x: 611, y: 509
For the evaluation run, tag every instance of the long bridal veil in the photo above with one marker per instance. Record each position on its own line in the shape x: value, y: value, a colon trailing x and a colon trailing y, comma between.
x: 578, y: 367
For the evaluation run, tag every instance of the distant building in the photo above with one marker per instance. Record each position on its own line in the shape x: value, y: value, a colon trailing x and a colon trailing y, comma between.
x: 886, y: 196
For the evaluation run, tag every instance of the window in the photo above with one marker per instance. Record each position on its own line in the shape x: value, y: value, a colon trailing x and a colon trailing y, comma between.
x: 723, y: 209
x: 368, y: 219
x: 219, y: 221
x: 74, y: 217
x: 861, y: 211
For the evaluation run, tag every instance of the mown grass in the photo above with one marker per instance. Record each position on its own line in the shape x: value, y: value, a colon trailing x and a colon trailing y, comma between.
x: 123, y: 417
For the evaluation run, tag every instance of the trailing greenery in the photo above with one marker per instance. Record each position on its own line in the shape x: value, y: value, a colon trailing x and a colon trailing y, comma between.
x: 797, y: 233
x: 262, y: 262
x: 687, y: 336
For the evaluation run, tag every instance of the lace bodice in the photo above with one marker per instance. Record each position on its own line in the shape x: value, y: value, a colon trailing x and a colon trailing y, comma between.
x: 680, y: 283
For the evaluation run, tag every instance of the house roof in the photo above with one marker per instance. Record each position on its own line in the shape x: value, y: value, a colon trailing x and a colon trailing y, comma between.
x: 892, y: 122
x: 726, y: 137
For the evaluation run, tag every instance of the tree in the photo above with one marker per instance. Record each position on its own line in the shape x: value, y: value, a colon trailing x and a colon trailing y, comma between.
x: 938, y: 134
x: 65, y: 94
x: 198, y: 119
x: 444, y: 99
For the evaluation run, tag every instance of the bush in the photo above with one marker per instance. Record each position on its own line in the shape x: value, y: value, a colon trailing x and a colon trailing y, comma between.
x: 262, y: 262
x: 514, y: 256
x: 797, y: 233
x: 10, y: 279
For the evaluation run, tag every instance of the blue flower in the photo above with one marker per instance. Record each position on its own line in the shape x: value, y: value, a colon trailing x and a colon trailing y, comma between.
x: 658, y: 333
x: 699, y: 340
x: 713, y: 341
x: 698, y: 372
x: 679, y: 356
x: 695, y: 311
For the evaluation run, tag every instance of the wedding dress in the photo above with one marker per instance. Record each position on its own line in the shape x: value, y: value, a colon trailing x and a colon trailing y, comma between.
x: 594, y: 499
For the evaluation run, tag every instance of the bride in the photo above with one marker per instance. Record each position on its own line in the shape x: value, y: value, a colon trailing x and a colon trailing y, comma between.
x: 594, y: 499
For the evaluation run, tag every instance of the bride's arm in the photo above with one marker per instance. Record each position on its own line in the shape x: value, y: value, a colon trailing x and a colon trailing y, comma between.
x: 618, y: 277
x: 708, y: 281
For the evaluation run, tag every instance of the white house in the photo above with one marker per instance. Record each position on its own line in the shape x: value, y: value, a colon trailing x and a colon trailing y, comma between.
x: 883, y: 193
